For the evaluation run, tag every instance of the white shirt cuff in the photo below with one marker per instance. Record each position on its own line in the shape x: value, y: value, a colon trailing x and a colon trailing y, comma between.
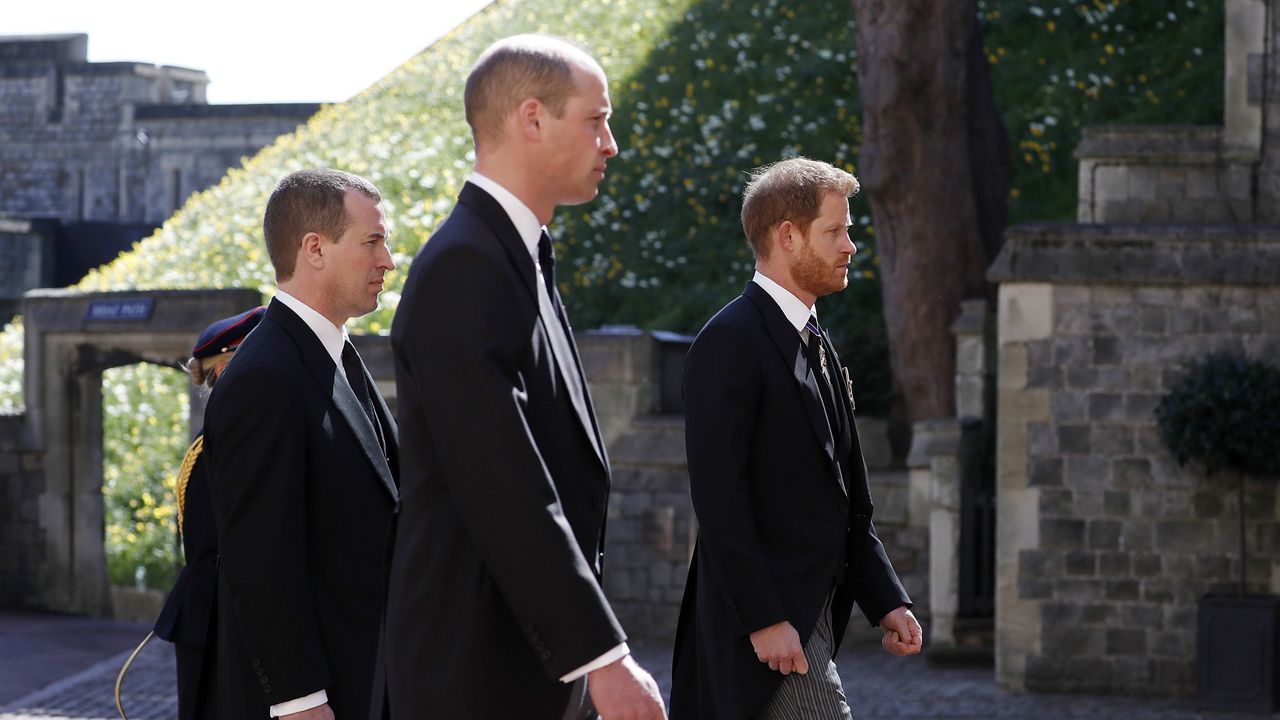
x: 614, y: 655
x: 315, y: 699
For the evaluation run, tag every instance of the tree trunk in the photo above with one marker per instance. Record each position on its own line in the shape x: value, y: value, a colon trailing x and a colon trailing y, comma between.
x: 935, y: 166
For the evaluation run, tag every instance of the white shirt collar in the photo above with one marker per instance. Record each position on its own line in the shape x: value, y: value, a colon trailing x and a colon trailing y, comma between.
x: 521, y: 216
x: 331, y: 336
x: 793, y: 308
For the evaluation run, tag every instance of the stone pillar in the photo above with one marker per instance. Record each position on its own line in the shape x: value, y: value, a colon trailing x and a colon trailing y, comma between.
x: 1025, y: 315
x: 1245, y: 39
x: 935, y: 450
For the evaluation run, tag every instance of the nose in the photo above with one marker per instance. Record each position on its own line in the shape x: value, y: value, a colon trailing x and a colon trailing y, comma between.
x: 385, y: 261
x: 849, y: 246
x: 610, y: 148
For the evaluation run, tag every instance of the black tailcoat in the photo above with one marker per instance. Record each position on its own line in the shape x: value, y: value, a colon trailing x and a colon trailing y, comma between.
x: 783, y: 509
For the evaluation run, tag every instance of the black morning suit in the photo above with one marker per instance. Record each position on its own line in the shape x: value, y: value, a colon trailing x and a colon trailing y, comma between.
x: 187, y: 617
x: 304, y: 496
x: 494, y: 590
x: 777, y: 528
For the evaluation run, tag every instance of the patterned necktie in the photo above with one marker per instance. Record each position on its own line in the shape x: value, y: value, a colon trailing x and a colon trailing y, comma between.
x: 820, y: 365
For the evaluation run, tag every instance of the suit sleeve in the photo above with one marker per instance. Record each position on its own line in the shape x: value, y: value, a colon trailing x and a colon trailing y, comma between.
x: 879, y: 591
x: 470, y: 326
x: 256, y: 448
x: 721, y: 389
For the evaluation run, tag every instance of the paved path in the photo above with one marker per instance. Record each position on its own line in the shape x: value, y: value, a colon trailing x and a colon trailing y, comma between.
x: 76, y: 660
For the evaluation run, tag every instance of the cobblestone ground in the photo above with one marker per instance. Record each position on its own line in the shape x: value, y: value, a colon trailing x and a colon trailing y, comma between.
x: 879, y: 688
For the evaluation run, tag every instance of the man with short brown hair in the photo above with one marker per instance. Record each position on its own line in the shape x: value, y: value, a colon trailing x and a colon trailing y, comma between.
x: 785, y: 545
x: 301, y: 451
x: 495, y: 608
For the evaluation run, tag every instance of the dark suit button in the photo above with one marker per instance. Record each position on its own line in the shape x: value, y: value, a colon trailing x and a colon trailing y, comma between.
x: 257, y: 663
x: 266, y: 689
x: 844, y: 508
x: 262, y: 679
x: 546, y: 654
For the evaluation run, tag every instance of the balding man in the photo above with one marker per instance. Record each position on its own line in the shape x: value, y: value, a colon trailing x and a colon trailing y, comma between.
x: 495, y: 608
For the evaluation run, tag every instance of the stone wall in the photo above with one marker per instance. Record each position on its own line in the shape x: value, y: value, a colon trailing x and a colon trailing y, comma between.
x: 120, y: 142
x: 1104, y: 543
x: 21, y: 538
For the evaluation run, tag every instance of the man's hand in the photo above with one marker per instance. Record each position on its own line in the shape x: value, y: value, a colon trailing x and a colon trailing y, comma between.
x: 902, y: 633
x: 319, y: 712
x: 622, y: 690
x: 779, y: 646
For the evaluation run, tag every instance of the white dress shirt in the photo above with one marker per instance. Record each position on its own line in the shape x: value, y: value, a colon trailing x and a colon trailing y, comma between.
x: 793, y: 308
x: 530, y: 231
x: 332, y: 338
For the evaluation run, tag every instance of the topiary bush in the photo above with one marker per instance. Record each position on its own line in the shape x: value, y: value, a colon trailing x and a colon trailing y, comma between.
x: 1224, y: 414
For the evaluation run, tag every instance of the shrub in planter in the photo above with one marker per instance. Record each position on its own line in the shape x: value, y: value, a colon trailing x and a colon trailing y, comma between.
x: 1224, y: 415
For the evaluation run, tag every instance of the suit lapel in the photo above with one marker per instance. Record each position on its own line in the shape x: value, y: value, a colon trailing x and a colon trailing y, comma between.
x: 565, y: 358
x: 333, y: 383
x: 787, y: 341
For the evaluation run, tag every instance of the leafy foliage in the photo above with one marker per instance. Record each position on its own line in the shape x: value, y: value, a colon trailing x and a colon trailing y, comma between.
x: 1224, y: 414
x: 703, y: 91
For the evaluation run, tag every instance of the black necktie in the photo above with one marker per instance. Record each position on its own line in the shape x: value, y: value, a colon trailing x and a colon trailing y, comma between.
x: 547, y: 262
x: 354, y: 369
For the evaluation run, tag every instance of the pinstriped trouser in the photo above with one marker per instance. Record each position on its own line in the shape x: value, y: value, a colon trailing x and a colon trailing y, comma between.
x: 818, y: 694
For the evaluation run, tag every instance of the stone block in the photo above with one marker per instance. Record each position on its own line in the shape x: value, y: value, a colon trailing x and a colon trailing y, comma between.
x: 1153, y: 350
x: 1056, y: 502
x: 1069, y: 407
x: 1012, y: 370
x: 1185, y: 536
x: 1072, y: 641
x: 1142, y: 184
x: 1171, y: 184
x: 1144, y: 378
x: 1147, y: 564
x: 1171, y: 644
x: 1105, y: 407
x: 1103, y: 534
x: 1154, y: 320
x: 1080, y: 562
x: 1124, y: 641
x: 1063, y: 534
x: 1060, y: 613
x: 1116, y: 502
x: 1026, y: 312
x: 1098, y: 614
x: 1243, y: 320
x: 1113, y: 564
x: 1162, y: 296
x: 1045, y: 472
x: 1106, y: 350
x: 1087, y: 471
x: 1042, y: 439
x: 1071, y: 351
x: 1208, y: 505
x: 1158, y: 590
x: 1111, y: 440
x: 1039, y: 564
x: 1184, y: 322
x: 1048, y: 377
x: 1073, y: 439
x: 1132, y: 472
x: 1126, y: 590
x: 1034, y: 588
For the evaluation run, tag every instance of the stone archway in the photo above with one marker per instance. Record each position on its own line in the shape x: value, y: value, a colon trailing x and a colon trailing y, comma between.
x: 70, y: 339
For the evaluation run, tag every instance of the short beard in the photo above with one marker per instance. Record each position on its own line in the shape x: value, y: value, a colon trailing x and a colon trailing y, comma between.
x: 814, y: 275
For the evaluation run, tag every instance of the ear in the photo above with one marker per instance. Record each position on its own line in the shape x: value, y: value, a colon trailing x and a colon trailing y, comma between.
x: 784, y: 236
x: 529, y: 119
x: 312, y: 251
